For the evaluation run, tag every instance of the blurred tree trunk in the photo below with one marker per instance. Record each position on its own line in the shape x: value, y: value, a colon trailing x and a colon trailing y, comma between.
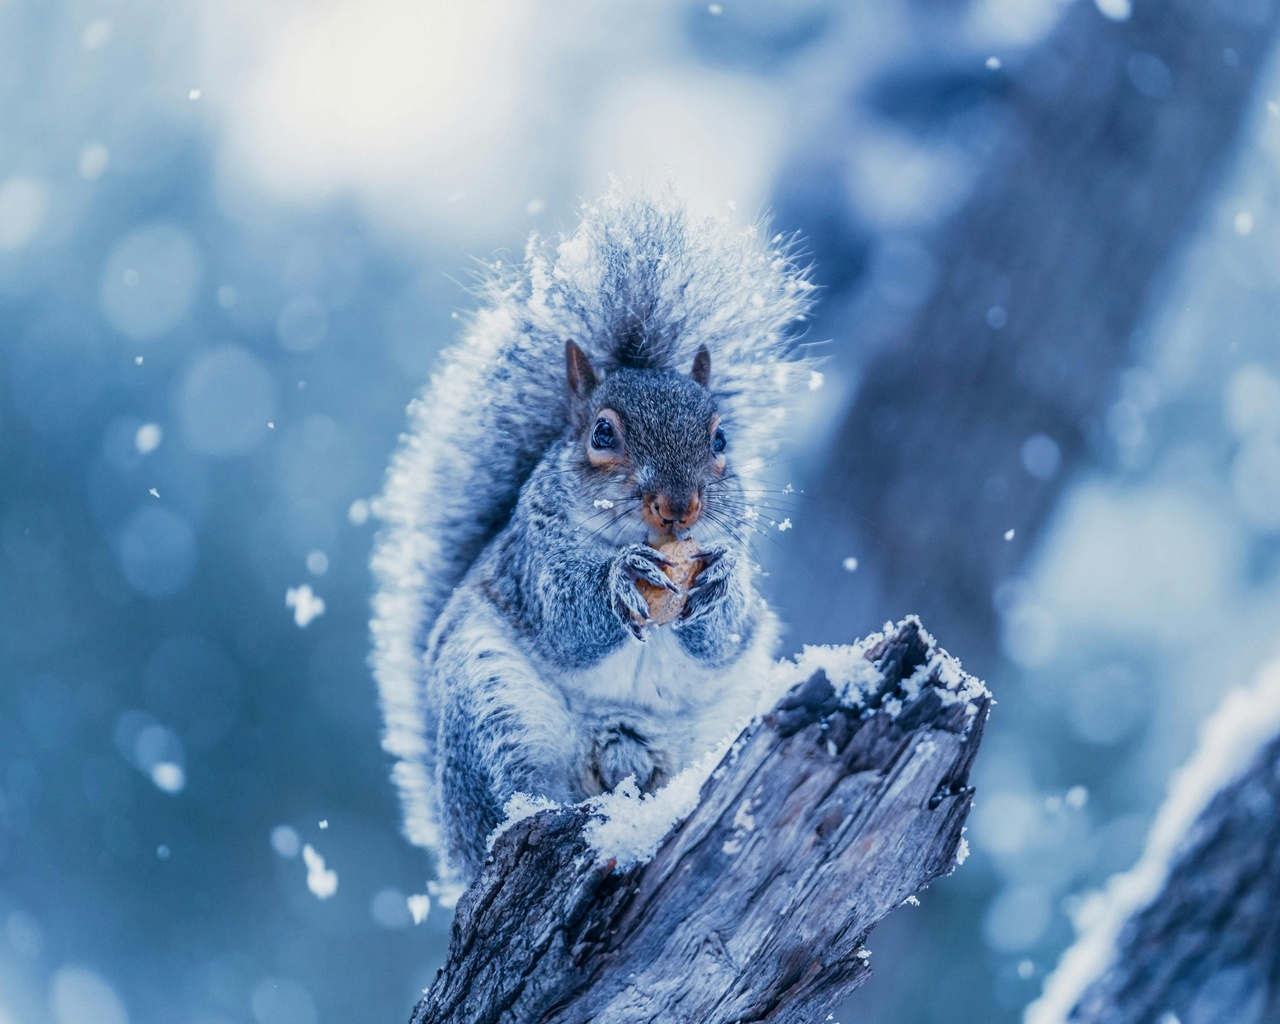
x: 1118, y: 133
x: 1207, y: 949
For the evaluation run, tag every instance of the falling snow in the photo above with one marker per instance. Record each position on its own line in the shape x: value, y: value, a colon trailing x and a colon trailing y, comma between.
x: 148, y: 438
x: 306, y: 606
x: 168, y: 776
x: 419, y: 906
x: 322, y: 882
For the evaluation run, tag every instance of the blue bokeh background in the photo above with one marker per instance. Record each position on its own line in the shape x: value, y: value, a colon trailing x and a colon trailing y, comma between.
x: 234, y: 235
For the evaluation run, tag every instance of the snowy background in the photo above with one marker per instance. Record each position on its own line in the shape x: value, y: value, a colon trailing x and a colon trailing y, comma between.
x: 233, y: 236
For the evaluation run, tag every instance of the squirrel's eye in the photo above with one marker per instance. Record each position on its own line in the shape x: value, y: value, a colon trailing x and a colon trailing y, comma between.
x: 718, y: 441
x: 603, y: 436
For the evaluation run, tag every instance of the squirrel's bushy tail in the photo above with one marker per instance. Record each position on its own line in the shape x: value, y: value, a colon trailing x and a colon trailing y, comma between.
x: 639, y: 283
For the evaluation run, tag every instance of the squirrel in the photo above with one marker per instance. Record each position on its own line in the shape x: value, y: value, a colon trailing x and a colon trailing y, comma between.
x: 608, y: 399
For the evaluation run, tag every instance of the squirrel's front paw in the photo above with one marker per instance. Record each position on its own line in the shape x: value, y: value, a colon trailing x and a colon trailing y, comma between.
x: 710, y: 585
x: 632, y: 563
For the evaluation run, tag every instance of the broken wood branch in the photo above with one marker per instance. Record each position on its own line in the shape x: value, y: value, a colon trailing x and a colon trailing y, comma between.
x: 825, y: 815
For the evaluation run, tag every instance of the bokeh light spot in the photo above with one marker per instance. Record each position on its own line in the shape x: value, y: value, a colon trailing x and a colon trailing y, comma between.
x: 169, y: 777
x: 302, y: 324
x: 1017, y: 918
x: 390, y: 909
x: 157, y: 745
x: 1041, y: 456
x: 285, y: 841
x: 96, y: 34
x: 24, y: 934
x: 23, y: 204
x: 1107, y: 704
x: 1116, y: 10
x: 157, y: 552
x: 1253, y: 402
x: 94, y: 158
x: 77, y: 995
x: 148, y: 437
x: 149, y: 281
x: 1255, y: 480
x: 225, y: 401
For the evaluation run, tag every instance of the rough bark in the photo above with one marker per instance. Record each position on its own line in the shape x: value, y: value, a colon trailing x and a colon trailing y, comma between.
x: 1117, y: 132
x: 822, y: 819
x: 1207, y: 949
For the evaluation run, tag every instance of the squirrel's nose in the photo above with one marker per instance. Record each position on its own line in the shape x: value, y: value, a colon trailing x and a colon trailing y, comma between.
x: 668, y: 512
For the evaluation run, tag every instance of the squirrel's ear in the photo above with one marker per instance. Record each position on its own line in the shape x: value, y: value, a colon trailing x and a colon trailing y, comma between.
x: 702, y: 367
x: 582, y: 378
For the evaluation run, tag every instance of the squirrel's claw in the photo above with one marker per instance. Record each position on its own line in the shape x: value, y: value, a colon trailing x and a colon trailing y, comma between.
x: 657, y: 578
x: 643, y: 556
x: 629, y: 605
x: 700, y: 604
x: 710, y: 557
x: 643, y: 563
x: 637, y: 629
x: 715, y: 572
x: 709, y: 587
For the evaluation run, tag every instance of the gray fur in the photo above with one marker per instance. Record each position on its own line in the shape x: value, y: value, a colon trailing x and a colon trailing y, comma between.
x: 552, y: 602
x: 507, y: 647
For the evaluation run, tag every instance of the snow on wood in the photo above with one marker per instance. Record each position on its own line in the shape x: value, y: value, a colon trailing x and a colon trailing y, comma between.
x: 822, y: 816
x: 1193, y: 929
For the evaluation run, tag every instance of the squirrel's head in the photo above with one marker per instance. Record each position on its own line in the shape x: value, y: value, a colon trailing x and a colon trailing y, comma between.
x: 657, y: 430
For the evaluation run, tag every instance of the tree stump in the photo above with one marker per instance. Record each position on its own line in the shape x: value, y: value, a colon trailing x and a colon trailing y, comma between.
x: 826, y: 814
x: 1191, y: 934
x: 1208, y: 948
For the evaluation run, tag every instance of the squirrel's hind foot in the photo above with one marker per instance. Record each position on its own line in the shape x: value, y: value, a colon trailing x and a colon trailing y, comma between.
x: 621, y: 752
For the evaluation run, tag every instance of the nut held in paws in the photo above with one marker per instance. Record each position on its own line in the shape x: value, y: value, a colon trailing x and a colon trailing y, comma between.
x: 663, y: 604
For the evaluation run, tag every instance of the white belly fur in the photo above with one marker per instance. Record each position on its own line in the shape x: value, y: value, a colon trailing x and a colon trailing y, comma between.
x: 681, y: 706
